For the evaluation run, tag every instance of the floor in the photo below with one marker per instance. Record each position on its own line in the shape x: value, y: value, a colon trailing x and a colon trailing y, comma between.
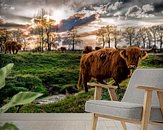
x: 57, y: 121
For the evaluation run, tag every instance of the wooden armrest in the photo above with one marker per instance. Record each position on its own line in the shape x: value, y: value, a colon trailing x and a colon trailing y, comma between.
x: 102, y: 85
x: 147, y: 88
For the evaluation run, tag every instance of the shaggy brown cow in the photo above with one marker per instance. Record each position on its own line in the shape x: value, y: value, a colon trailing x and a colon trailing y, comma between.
x: 12, y: 47
x: 87, y: 49
x: 109, y: 63
x: 97, y: 48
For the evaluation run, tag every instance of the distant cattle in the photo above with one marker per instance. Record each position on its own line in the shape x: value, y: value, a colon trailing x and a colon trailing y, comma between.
x: 62, y: 49
x: 87, y: 49
x: 109, y: 63
x: 36, y: 49
x: 12, y: 47
x: 97, y: 48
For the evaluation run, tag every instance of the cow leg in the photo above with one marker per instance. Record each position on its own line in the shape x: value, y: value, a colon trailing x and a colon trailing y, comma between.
x: 80, y: 80
x: 85, y: 86
x: 116, y: 84
x: 13, y: 51
x: 85, y: 80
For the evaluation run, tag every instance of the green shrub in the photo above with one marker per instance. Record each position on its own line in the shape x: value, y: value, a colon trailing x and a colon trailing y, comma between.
x: 53, y: 69
x: 61, y: 76
x: 71, y: 104
x: 33, y: 83
x: 22, y: 83
x: 152, y: 61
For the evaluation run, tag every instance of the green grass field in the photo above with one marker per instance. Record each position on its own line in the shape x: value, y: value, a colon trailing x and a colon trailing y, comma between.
x: 48, y: 73
x: 52, y: 73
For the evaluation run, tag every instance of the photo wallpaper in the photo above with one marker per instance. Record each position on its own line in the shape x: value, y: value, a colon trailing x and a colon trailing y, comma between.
x: 47, y: 41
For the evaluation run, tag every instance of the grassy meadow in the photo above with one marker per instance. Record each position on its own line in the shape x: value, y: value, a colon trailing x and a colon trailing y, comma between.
x: 54, y: 73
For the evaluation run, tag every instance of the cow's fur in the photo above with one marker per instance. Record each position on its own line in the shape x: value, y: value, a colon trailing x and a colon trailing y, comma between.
x: 108, y: 63
x: 12, y: 47
x: 87, y: 49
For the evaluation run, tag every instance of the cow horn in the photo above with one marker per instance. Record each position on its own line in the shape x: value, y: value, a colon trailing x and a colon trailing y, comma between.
x: 147, y: 50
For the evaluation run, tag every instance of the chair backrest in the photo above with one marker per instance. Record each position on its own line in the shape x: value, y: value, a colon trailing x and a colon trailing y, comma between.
x: 143, y: 77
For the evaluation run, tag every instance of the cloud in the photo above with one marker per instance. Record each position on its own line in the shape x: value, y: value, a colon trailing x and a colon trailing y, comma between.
x: 148, y: 8
x: 22, y: 12
x: 1, y: 20
x: 115, y: 6
x: 133, y: 11
x: 118, y: 13
x: 137, y: 12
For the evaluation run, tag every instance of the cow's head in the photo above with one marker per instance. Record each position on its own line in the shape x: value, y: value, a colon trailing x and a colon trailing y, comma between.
x: 132, y: 55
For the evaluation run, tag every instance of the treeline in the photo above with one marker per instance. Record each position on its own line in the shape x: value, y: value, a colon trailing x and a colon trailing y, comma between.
x: 145, y: 37
x: 42, y: 38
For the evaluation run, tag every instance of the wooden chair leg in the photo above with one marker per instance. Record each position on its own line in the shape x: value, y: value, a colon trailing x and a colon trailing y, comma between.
x: 94, y: 122
x: 160, y: 98
x: 112, y: 94
x: 146, y: 110
x: 124, y: 125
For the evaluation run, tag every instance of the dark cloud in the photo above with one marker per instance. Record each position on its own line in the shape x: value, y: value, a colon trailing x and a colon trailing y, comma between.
x: 158, y: 6
x: 23, y: 10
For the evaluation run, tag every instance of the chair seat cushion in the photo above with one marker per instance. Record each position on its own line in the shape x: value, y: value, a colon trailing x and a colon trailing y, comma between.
x: 131, y: 111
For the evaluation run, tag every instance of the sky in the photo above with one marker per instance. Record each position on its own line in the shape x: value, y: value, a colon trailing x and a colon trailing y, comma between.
x: 133, y: 13
x: 22, y: 11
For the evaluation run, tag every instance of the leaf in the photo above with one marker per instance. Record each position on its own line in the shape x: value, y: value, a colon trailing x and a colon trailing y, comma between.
x: 8, y: 126
x: 4, y: 72
x: 20, y: 99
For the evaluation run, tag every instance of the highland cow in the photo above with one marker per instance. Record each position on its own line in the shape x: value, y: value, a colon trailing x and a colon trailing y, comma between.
x: 87, y: 49
x: 12, y: 47
x: 109, y: 63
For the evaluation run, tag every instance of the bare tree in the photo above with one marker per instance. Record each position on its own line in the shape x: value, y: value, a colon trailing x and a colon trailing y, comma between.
x: 129, y: 35
x: 100, y: 36
x: 5, y: 35
x: 108, y: 33
x: 138, y: 39
x: 116, y: 35
x: 74, y: 37
x: 153, y: 30
x: 149, y: 37
x: 67, y: 41
x: 160, y: 36
x: 41, y: 27
x: 48, y: 29
x: 141, y: 36
x: 54, y: 40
